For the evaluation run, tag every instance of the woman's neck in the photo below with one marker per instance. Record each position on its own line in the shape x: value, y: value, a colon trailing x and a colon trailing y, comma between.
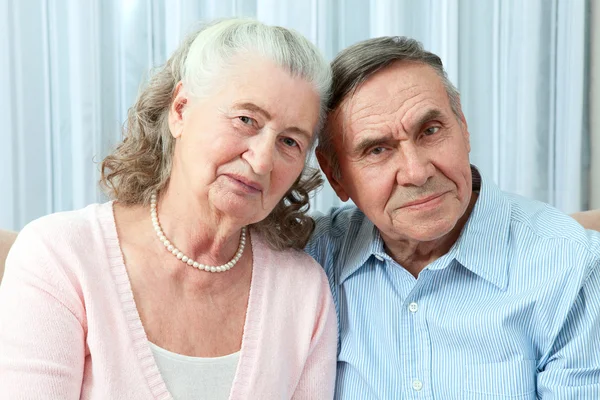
x: 201, y: 233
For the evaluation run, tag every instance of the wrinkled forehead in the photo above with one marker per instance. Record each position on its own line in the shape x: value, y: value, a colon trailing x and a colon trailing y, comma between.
x: 396, y: 92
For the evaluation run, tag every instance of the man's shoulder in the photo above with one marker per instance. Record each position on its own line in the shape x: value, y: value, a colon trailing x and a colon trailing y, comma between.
x: 335, y: 232
x: 552, y: 258
x: 540, y: 223
x: 336, y: 222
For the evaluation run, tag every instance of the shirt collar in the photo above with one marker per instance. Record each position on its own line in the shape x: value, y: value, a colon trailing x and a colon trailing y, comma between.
x: 481, y: 247
x: 367, y: 243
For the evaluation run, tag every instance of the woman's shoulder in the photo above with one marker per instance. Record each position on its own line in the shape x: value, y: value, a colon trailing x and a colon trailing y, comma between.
x: 293, y: 266
x: 62, y: 254
x: 68, y: 235
x: 63, y: 226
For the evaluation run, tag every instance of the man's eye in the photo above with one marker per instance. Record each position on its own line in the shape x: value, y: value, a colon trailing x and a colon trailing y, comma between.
x: 431, y: 130
x: 246, y: 120
x: 290, y: 142
x: 377, y: 150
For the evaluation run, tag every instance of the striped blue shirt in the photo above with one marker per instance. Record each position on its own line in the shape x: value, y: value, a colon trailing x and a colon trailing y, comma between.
x: 511, y: 311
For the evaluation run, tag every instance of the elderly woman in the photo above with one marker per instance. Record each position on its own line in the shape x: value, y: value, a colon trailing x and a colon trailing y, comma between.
x: 191, y: 283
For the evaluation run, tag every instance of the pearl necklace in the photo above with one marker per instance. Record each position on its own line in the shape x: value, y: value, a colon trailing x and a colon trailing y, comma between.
x: 180, y: 256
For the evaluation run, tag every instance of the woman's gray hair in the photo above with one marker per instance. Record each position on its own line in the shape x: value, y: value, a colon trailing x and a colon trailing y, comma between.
x: 141, y: 164
x: 357, y: 63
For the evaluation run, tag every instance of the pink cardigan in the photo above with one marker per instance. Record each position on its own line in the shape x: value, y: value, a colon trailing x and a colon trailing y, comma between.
x: 70, y: 329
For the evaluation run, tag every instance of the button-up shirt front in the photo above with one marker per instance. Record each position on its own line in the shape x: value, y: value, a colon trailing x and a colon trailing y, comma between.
x: 513, y: 309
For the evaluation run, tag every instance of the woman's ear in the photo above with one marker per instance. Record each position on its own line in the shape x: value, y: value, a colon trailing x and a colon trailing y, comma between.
x: 176, y: 109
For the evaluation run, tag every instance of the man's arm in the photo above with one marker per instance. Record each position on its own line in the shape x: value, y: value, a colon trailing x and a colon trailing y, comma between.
x: 572, y: 370
x: 589, y: 219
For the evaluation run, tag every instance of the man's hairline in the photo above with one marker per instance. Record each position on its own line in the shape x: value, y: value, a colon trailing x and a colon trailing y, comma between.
x: 334, y: 113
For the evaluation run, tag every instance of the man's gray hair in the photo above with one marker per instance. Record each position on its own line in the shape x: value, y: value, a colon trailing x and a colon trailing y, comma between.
x: 357, y: 63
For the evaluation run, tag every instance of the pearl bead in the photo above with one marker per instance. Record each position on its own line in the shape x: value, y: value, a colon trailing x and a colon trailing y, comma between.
x: 195, y: 264
x: 184, y: 258
x: 218, y: 269
x: 170, y: 247
x: 213, y: 269
x: 179, y: 255
x: 175, y: 251
x: 190, y: 262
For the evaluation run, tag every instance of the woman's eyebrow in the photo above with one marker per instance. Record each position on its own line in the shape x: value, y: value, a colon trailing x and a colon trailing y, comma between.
x: 252, y: 107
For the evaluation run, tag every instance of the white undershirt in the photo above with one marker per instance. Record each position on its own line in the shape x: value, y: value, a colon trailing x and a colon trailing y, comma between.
x: 196, y: 377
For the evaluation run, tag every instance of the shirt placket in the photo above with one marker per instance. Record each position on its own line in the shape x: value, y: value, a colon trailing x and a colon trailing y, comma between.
x: 418, y: 373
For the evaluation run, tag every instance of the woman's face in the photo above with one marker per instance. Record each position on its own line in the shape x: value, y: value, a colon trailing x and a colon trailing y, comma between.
x: 240, y: 149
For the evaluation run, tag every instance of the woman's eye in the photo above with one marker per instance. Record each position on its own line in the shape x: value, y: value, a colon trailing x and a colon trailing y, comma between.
x: 290, y: 142
x: 431, y: 130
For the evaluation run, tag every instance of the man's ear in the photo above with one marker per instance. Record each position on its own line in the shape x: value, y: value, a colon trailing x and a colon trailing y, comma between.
x: 178, y: 104
x: 326, y: 167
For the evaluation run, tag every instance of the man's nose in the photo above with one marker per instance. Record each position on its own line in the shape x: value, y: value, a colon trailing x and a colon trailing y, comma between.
x: 416, y: 167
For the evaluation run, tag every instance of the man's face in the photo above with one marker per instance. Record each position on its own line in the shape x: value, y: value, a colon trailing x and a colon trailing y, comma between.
x: 403, y: 153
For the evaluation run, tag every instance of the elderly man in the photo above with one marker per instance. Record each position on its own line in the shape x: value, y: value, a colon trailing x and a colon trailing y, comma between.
x: 445, y: 286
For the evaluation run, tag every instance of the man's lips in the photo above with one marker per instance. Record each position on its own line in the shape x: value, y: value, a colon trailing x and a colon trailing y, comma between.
x: 423, y: 201
x: 250, y: 184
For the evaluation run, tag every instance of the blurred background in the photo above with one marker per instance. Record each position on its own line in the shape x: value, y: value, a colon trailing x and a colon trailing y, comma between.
x: 526, y: 69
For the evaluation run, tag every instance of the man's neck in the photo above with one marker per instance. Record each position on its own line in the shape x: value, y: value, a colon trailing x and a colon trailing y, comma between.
x: 414, y: 256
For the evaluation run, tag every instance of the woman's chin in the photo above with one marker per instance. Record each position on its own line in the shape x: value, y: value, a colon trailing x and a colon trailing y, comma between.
x: 243, y: 212
x: 247, y: 209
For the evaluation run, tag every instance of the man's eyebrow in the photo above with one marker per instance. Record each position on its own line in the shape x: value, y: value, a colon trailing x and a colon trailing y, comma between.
x: 252, y: 107
x: 369, y: 142
x: 429, y: 115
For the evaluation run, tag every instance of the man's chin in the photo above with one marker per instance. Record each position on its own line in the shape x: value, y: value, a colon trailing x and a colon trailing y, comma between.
x: 426, y: 232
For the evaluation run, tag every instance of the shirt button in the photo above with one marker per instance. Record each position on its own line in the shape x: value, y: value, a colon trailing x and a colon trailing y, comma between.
x: 417, y: 385
x: 413, y: 307
x: 379, y: 258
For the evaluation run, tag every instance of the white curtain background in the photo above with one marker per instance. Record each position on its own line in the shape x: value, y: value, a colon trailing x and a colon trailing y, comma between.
x: 70, y: 69
x: 595, y: 105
